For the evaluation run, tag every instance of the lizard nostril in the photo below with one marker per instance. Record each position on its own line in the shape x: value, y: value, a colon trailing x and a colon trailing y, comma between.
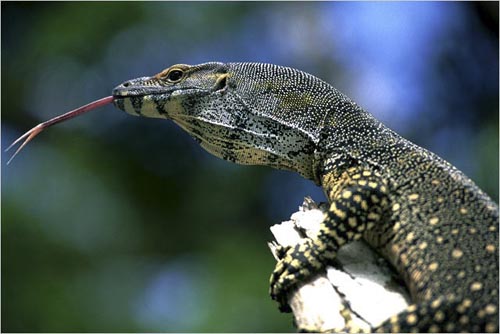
x: 126, y: 84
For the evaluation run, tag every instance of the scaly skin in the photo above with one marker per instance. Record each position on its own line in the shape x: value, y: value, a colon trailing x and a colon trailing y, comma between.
x: 431, y: 222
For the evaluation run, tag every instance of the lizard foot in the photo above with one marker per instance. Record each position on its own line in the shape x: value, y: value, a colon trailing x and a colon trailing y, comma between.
x: 297, y: 264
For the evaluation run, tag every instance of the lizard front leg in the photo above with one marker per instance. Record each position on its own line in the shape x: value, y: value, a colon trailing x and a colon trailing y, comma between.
x: 359, y: 201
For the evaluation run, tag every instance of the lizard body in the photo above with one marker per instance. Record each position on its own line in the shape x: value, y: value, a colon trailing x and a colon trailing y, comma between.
x: 431, y: 222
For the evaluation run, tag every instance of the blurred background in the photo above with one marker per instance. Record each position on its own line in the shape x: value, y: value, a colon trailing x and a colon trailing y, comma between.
x: 116, y: 223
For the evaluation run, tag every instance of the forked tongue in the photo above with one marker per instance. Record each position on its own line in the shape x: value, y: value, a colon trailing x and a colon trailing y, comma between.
x: 42, y: 126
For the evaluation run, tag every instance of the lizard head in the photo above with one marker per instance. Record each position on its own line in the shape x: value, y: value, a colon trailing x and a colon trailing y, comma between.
x: 248, y: 113
x: 162, y: 95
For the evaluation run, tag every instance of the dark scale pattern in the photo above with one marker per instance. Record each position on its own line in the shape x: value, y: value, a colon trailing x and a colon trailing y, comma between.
x: 439, y: 232
x: 431, y: 222
x: 137, y: 104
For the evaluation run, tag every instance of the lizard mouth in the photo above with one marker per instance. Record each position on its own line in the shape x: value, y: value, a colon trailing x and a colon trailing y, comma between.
x: 145, y: 86
x: 126, y: 90
x: 140, y: 87
x: 131, y: 96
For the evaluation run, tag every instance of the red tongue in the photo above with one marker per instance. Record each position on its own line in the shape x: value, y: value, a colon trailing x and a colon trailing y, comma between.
x: 70, y: 114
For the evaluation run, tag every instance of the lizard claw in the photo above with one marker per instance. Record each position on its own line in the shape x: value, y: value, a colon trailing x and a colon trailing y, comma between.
x: 281, y: 251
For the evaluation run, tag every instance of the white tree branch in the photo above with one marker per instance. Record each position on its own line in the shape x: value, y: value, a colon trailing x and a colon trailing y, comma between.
x: 357, y: 291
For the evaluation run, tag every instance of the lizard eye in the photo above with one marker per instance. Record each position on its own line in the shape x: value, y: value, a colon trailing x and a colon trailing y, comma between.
x: 175, y: 75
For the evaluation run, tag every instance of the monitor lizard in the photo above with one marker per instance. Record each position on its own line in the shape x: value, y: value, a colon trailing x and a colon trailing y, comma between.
x: 429, y: 220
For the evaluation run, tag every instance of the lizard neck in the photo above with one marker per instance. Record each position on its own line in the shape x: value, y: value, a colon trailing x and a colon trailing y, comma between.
x: 351, y: 137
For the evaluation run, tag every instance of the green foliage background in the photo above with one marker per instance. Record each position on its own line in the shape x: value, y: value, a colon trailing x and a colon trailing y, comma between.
x: 114, y: 223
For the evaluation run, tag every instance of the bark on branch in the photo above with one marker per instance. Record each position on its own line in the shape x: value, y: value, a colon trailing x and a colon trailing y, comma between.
x: 358, y: 290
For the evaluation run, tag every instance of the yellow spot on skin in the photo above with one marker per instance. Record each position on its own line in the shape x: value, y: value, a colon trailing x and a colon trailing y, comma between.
x: 492, y: 228
x: 329, y: 254
x: 433, y: 266
x: 316, y: 265
x: 352, y: 221
x: 356, y: 176
x: 339, y: 213
x: 410, y: 236
x: 423, y: 245
x: 449, y: 327
x: 439, y: 316
x: 396, y: 226
x: 490, y: 248
x: 434, y: 329
x: 347, y: 194
x: 413, y: 197
x: 466, y: 303
x: 356, y: 198
x: 395, y: 207
x: 416, y: 275
x: 411, y: 308
x: 463, y: 320
x: 457, y: 253
x: 472, y: 230
x: 436, y: 303
x: 436, y: 182
x: 440, y: 200
x: 461, y: 274
x: 395, y: 249
x: 411, y: 319
x: 321, y: 246
x: 341, y: 241
x: 372, y: 185
x: 367, y: 173
x: 434, y: 220
x: 490, y: 328
x: 463, y: 211
x: 404, y: 259
x: 362, y: 182
x: 454, y: 231
x: 476, y: 286
x: 490, y: 309
x: 373, y: 216
x: 439, y: 240
x: 492, y: 207
x: 364, y: 205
